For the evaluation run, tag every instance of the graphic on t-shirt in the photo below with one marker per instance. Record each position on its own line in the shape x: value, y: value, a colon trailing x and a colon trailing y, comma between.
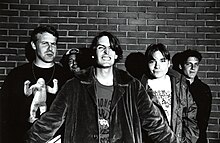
x: 164, y: 98
x: 104, y: 110
x: 39, y: 91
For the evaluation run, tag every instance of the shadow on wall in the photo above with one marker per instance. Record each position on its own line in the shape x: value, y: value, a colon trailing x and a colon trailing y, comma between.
x: 135, y: 64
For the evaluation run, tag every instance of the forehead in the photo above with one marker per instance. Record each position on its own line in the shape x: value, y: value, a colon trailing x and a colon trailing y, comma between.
x: 104, y: 40
x: 157, y: 55
x: 192, y: 59
x: 45, y: 36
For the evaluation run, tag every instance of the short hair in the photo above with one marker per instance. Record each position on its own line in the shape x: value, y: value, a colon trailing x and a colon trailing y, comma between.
x: 114, y: 44
x: 151, y: 49
x: 29, y: 51
x: 190, y: 53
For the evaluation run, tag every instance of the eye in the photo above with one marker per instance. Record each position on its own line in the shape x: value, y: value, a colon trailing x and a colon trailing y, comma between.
x: 151, y: 62
x: 163, y: 60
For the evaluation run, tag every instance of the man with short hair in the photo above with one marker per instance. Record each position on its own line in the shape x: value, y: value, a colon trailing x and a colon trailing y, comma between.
x: 189, y: 66
x: 29, y: 90
x: 103, y: 105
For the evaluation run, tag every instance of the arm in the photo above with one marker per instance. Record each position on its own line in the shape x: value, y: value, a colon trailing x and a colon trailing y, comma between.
x: 152, y: 121
x: 45, y: 128
x: 190, y: 131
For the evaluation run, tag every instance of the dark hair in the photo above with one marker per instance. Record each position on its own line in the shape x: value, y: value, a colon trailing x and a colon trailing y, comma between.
x: 176, y: 59
x: 29, y: 51
x: 151, y: 49
x: 114, y: 44
x: 190, y: 53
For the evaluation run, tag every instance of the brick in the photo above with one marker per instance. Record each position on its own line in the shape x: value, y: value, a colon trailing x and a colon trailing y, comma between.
x: 137, y: 9
x: 87, y: 27
x: 206, y: 29
x: 18, y: 19
x: 146, y: 41
x: 29, y: 13
x: 176, y: 22
x: 194, y: 10
x: 156, y: 9
x: 213, y: 36
x: 137, y: 34
x: 3, y: 19
x: 186, y: 29
x: 130, y: 3
x: 117, y: 9
x: 39, y: 7
x: 3, y: 6
x: 116, y: 21
x: 205, y: 4
x: 205, y: 16
x: 39, y: 20
x: 186, y: 42
x: 58, y: 8
x: 156, y: 22
x: 19, y: 6
x: 9, y: 12
x: 78, y: 8
x: 147, y: 3
x: 167, y: 4
x: 107, y: 27
x: 88, y: 2
x: 186, y: 16
x: 175, y: 35
x: 7, y: 64
x: 70, y: 2
x: 195, y: 23
x: 213, y: 10
x: 212, y: 23
x: 78, y: 20
x: 97, y: 8
x: 147, y: 15
x: 58, y: 20
x: 49, y: 1
x: 195, y: 36
x: 176, y: 10
x: 67, y: 14
x: 97, y: 21
x: 136, y: 47
x: 169, y: 41
x: 8, y: 25
x: 127, y: 28
x: 49, y: 14
x: 146, y: 28
x: 128, y: 15
x: 30, y: 2
x: 68, y: 27
x: 156, y: 35
x: 67, y: 39
x: 185, y: 4
x: 166, y: 16
x: 107, y: 14
x: 17, y: 32
x: 108, y: 2
x: 88, y: 14
x: 78, y: 33
x: 205, y: 42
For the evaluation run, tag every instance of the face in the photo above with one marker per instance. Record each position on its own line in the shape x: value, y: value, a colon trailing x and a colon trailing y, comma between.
x: 159, y: 65
x: 105, y: 55
x: 45, y: 47
x: 191, y: 67
x: 72, y: 63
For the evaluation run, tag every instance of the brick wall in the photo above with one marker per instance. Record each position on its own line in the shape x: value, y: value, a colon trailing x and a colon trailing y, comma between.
x: 179, y: 24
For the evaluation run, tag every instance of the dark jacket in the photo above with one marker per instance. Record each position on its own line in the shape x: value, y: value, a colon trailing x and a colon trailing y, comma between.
x: 184, y: 109
x: 203, y: 97
x: 131, y: 109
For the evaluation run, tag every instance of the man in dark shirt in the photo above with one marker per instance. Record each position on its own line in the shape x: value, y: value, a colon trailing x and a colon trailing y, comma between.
x: 189, y: 65
x: 21, y: 92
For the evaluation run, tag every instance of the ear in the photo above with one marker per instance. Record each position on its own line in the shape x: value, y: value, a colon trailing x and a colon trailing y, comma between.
x: 168, y: 63
x: 180, y: 67
x: 33, y: 45
x: 116, y: 56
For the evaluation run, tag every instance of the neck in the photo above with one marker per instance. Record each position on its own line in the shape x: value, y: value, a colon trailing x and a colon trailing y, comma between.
x: 104, y: 76
x: 190, y: 80
x: 43, y: 64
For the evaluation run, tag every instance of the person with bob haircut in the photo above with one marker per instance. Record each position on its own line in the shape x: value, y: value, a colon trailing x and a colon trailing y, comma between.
x: 169, y: 92
x: 103, y: 105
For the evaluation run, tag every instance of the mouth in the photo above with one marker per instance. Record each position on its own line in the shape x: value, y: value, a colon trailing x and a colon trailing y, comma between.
x: 106, y: 58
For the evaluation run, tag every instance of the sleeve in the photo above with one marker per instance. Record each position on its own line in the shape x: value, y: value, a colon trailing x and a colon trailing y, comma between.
x: 190, y: 131
x: 152, y: 120
x: 45, y: 128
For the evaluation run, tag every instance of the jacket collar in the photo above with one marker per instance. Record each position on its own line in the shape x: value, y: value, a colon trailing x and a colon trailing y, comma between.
x: 120, y: 80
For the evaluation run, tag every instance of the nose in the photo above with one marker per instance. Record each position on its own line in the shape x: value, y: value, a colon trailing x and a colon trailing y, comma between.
x: 49, y: 46
x: 157, y: 65
x: 106, y: 50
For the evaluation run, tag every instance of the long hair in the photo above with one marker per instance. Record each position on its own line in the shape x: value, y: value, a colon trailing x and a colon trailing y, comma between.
x: 114, y: 44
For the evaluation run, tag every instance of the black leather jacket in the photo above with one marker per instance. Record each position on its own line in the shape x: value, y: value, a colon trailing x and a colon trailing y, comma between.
x: 131, y: 110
